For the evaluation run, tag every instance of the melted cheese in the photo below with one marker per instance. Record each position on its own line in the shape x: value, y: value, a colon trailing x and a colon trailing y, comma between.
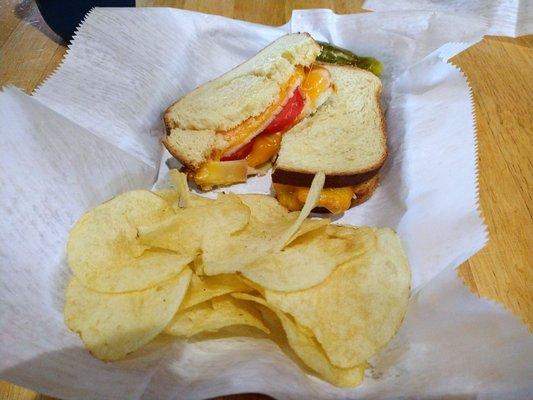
x: 315, y: 85
x: 264, y: 148
x: 220, y: 173
x: 336, y: 200
x: 243, y: 133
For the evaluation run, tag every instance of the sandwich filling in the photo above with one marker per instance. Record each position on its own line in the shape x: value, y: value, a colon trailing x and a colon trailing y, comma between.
x: 335, y: 200
x: 257, y: 140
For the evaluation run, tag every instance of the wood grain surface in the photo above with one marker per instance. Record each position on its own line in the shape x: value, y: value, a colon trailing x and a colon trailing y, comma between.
x: 500, y: 71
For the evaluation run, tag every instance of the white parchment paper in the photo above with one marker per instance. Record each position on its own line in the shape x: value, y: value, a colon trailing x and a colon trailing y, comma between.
x: 504, y: 17
x: 93, y: 130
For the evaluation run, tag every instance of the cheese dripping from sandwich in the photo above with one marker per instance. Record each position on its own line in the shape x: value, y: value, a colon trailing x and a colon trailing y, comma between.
x: 333, y: 200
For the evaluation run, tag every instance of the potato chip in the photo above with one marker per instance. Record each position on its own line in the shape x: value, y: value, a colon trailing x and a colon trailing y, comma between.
x: 207, y: 287
x: 180, y: 233
x: 180, y: 196
x: 310, y: 352
x: 143, y: 272
x: 306, y: 262
x: 264, y: 208
x: 310, y: 203
x: 179, y: 180
x: 185, y: 231
x: 360, y: 306
x: 198, y: 266
x: 258, y: 288
x: 188, y: 266
x: 177, y: 193
x: 268, y: 222
x: 196, y: 200
x: 309, y: 225
x: 171, y: 196
x: 104, y: 252
x: 214, y: 315
x: 112, y: 325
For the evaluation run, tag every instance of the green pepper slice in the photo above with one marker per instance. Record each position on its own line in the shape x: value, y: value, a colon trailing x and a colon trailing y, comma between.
x: 337, y: 55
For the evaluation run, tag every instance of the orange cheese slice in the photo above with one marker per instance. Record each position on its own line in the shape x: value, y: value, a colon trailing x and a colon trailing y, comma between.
x: 214, y: 173
x: 336, y: 200
x: 316, y: 83
x: 243, y: 133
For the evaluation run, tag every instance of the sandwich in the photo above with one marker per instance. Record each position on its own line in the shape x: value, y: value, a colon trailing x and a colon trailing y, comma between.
x: 318, y: 116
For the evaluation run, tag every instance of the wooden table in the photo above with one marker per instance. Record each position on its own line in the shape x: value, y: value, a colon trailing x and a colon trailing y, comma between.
x: 500, y: 71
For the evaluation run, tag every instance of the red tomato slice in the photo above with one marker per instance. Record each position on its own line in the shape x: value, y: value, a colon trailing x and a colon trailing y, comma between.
x: 241, y: 153
x: 281, y: 122
x: 288, y: 114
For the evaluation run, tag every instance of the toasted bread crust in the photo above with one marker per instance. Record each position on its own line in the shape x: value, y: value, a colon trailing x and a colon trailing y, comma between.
x: 363, y: 191
x: 304, y: 179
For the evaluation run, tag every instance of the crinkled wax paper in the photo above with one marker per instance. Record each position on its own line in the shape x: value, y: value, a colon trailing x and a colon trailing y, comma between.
x: 504, y: 17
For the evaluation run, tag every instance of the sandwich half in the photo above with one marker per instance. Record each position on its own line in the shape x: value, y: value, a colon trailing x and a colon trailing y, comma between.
x: 345, y: 138
x: 227, y: 128
x: 319, y: 117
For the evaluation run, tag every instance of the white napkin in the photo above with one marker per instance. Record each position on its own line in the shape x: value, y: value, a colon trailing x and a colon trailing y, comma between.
x: 505, y: 18
x: 93, y: 130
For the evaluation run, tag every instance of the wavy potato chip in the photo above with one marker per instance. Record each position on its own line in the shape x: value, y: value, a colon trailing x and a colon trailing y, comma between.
x: 309, y: 225
x: 179, y: 180
x: 310, y: 202
x: 171, y: 196
x: 310, y: 352
x: 103, y: 250
x: 360, y: 306
x: 179, y: 196
x: 112, y: 325
x: 143, y: 272
x: 304, y: 263
x: 207, y: 287
x: 269, y: 221
x: 213, y: 315
x: 185, y: 231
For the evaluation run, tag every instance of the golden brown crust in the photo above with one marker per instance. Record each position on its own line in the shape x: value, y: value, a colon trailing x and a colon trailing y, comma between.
x: 295, y: 178
x: 363, y: 191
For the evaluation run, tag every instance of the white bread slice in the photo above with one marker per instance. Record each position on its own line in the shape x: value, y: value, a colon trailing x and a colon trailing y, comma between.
x: 345, y: 138
x: 223, y: 103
